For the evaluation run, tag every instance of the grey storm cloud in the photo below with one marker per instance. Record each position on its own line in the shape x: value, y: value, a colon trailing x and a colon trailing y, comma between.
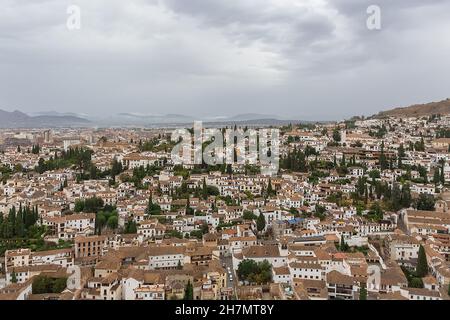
x: 304, y: 59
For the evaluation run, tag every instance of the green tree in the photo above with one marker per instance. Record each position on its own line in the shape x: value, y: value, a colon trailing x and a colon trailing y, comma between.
x: 416, y: 282
x: 363, y: 292
x: 116, y: 168
x: 113, y: 222
x: 19, y: 227
x: 343, y: 245
x: 384, y: 164
x: 153, y: 208
x: 374, y: 174
x: 93, y: 204
x: 13, y: 277
x: 248, y: 215
x: 436, y: 176
x: 189, y: 291
x: 205, y: 189
x: 396, y: 196
x: 270, y: 191
x: 250, y: 270
x: 406, y: 196
x: 400, y: 155
x: 422, y: 265
x: 425, y: 202
x: 100, y: 221
x: 45, y: 284
x: 260, y: 222
x: 336, y: 135
x: 130, y: 227
x: 376, y: 212
x: 246, y: 268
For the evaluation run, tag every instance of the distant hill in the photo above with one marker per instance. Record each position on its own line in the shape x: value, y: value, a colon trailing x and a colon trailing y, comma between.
x: 17, y: 119
x: 58, y: 114
x: 249, y: 116
x: 441, y: 107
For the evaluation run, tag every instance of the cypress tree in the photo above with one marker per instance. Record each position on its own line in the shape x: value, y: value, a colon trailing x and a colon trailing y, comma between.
x: 18, y: 226
x: 363, y: 292
x: 260, y: 222
x: 422, y: 265
x: 13, y: 277
x: 436, y: 176
x: 205, y: 189
x: 406, y: 196
x: 270, y: 190
x: 189, y: 291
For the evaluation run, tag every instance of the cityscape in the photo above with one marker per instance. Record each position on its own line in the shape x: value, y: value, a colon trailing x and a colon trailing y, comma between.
x: 358, y: 209
x: 212, y: 158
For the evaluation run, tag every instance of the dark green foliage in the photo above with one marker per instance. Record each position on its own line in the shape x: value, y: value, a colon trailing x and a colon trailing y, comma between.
x: 199, y: 233
x: 35, y: 149
x: 93, y: 204
x: 79, y: 157
x: 17, y: 224
x: 109, y: 219
x: 406, y: 196
x: 44, y: 284
x: 13, y: 277
x: 414, y: 281
x: 174, y: 234
x: 253, y: 272
x: 130, y: 227
x: 319, y: 212
x: 419, y: 145
x: 260, y: 222
x: 295, y: 160
x: 156, y: 145
x: 116, y: 168
x: 189, y: 291
x: 270, y: 190
x: 363, y: 293
x: 380, y: 133
x: 336, y: 135
x: 248, y: 215
x: 376, y: 212
x: 113, y: 222
x: 443, y: 133
x: 422, y: 265
x: 206, y: 190
x: 344, y: 247
x: 425, y: 202
x: 153, y: 209
x: 383, y: 161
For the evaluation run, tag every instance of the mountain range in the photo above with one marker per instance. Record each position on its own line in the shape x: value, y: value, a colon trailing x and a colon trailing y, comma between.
x: 139, y: 119
x: 42, y: 119
x: 17, y: 119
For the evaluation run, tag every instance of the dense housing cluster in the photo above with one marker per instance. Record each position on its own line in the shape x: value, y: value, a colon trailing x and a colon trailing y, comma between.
x: 359, y: 209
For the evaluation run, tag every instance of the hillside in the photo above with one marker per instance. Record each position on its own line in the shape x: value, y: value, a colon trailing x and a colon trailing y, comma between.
x: 441, y: 107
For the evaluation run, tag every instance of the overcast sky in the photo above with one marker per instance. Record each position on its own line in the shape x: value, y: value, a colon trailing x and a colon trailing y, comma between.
x: 303, y: 59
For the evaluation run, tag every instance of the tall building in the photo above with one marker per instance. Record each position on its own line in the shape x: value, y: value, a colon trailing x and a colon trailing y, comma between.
x: 47, y: 136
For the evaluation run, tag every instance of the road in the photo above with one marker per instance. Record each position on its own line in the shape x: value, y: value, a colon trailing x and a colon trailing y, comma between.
x: 227, y: 261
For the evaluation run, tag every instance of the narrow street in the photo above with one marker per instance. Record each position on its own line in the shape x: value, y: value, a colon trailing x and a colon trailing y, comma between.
x: 227, y: 263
